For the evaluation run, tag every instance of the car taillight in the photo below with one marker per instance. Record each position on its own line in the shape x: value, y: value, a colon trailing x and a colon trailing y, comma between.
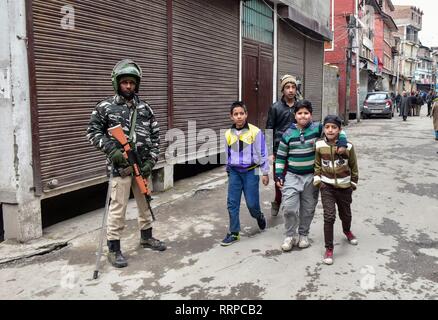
x: 365, y: 104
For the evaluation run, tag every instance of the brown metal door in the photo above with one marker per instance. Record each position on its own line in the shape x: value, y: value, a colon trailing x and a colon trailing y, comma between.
x: 265, y: 84
x: 250, y: 87
x: 257, y: 81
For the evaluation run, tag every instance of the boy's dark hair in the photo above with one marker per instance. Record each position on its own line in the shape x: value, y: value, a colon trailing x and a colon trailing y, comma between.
x: 238, y: 104
x: 331, y: 118
x: 304, y: 104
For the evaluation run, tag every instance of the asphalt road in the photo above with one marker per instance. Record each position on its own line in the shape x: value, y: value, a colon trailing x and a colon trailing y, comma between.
x: 394, y: 217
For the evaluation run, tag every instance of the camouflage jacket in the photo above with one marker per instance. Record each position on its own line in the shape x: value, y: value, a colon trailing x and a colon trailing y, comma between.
x: 113, y: 111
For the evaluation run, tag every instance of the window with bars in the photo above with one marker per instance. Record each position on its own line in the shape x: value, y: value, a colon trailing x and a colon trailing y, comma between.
x: 258, y: 22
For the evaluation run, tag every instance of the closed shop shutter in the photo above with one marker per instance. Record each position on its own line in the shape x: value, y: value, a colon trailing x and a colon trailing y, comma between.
x: 290, y: 53
x: 313, y: 78
x: 205, y: 63
x: 72, y: 70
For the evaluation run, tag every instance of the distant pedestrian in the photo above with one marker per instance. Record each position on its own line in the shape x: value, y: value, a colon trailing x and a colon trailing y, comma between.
x: 397, y: 103
x: 412, y: 103
x: 429, y: 99
x: 300, y: 196
x: 337, y: 177
x: 404, y: 105
x: 419, y: 104
x: 434, y: 116
x: 247, y: 154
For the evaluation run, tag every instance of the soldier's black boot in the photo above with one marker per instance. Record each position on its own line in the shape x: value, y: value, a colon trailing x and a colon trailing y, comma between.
x: 115, y: 256
x: 149, y: 242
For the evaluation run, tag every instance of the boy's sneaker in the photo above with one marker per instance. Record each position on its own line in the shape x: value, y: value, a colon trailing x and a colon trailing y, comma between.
x: 328, y: 256
x: 351, y: 238
x: 288, y: 243
x: 261, y: 221
x: 275, y: 207
x: 304, y: 242
x: 230, y: 239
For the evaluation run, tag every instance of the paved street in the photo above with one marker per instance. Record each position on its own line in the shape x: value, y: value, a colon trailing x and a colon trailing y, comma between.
x: 394, y: 217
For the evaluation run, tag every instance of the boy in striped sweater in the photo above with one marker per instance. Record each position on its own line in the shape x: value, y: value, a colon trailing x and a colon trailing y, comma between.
x: 300, y: 196
x: 336, y: 176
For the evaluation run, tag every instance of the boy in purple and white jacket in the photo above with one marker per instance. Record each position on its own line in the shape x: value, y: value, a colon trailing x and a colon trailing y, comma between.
x: 246, y: 155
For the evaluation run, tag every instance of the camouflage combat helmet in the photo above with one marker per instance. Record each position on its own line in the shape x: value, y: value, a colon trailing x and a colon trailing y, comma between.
x: 125, y: 67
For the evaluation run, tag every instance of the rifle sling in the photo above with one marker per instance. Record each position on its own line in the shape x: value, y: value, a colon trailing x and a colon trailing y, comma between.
x: 133, y: 121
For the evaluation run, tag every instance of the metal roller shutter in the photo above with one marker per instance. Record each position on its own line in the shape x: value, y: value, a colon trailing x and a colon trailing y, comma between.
x: 205, y: 62
x: 313, y: 78
x: 72, y: 69
x: 290, y: 53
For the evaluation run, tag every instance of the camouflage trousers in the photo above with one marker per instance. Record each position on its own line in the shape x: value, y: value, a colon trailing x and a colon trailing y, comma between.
x: 120, y: 191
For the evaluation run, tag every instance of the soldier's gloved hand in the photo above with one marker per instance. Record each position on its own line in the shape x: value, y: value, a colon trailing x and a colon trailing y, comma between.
x: 146, y: 169
x: 117, y: 158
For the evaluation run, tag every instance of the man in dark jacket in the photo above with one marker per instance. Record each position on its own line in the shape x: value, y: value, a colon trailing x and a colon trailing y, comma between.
x: 429, y: 100
x: 280, y: 117
x: 397, y: 103
x: 412, y: 103
x: 420, y: 102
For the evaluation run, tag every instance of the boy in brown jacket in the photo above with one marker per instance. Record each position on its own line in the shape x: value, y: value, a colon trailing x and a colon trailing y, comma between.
x: 337, y: 177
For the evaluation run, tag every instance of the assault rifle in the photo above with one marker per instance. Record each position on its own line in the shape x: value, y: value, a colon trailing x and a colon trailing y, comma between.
x: 134, y: 163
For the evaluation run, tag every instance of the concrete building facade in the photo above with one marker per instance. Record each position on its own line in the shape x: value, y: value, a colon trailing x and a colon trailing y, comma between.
x: 424, y: 76
x: 409, y: 22
x: 20, y: 206
x: 435, y: 67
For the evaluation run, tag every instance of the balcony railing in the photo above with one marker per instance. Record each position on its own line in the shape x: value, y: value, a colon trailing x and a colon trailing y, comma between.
x: 412, y: 38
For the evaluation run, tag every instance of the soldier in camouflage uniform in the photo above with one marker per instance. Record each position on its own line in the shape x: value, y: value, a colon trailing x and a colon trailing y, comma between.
x: 120, y: 109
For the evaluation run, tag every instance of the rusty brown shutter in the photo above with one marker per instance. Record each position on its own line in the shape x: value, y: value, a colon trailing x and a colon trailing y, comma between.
x: 205, y: 62
x: 73, y: 72
x: 313, y: 78
x: 290, y: 53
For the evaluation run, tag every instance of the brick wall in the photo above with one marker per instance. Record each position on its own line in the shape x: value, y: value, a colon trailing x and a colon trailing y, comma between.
x: 338, y: 57
x: 381, y: 47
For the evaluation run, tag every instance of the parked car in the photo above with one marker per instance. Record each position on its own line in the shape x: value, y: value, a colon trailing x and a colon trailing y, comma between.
x: 378, y: 103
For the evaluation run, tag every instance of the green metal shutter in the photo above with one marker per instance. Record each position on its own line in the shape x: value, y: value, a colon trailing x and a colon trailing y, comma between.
x: 257, y: 21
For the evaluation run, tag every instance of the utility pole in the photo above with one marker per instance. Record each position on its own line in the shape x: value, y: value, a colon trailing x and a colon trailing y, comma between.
x: 350, y: 31
x: 358, y: 48
x: 400, y: 56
